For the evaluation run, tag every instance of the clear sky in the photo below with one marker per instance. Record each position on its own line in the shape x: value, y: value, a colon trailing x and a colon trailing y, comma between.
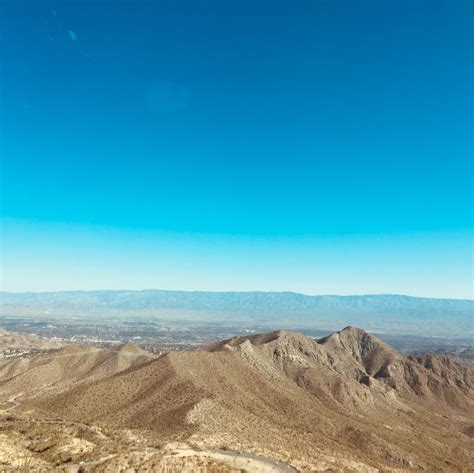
x: 320, y: 146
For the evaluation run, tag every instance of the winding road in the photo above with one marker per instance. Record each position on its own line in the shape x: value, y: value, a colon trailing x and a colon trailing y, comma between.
x: 249, y: 462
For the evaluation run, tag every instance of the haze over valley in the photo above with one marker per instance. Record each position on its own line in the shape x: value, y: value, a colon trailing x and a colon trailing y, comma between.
x: 396, y: 314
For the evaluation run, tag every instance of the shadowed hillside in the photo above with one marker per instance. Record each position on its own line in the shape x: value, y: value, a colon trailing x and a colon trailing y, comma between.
x: 348, y: 401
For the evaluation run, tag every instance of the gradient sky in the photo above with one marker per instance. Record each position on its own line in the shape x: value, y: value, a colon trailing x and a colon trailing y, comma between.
x: 320, y: 146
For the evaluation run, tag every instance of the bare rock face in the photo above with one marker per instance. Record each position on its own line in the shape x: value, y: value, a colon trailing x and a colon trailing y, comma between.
x: 372, y: 354
x: 337, y: 365
x: 346, y: 402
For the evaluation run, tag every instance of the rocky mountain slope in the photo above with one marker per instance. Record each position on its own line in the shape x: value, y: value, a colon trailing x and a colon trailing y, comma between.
x: 347, y: 402
x: 60, y: 369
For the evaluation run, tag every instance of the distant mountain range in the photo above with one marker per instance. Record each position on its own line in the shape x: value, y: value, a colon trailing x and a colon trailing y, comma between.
x: 384, y: 312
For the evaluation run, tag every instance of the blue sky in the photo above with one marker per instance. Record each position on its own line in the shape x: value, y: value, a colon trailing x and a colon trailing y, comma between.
x: 321, y: 147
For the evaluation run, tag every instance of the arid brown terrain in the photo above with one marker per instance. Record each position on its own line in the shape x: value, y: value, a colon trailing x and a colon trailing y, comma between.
x: 17, y: 341
x: 277, y: 401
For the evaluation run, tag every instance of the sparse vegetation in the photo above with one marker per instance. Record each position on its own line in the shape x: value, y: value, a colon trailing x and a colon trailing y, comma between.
x: 283, y: 396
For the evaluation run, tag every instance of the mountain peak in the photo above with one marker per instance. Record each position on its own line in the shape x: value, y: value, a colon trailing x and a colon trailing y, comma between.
x: 260, y: 339
x: 368, y: 350
x: 262, y: 390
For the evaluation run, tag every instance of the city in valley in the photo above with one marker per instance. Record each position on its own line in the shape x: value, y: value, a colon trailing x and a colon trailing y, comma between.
x: 159, y: 336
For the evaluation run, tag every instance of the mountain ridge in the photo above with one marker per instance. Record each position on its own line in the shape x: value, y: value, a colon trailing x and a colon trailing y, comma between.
x: 345, y: 402
x: 178, y: 291
x: 396, y: 313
